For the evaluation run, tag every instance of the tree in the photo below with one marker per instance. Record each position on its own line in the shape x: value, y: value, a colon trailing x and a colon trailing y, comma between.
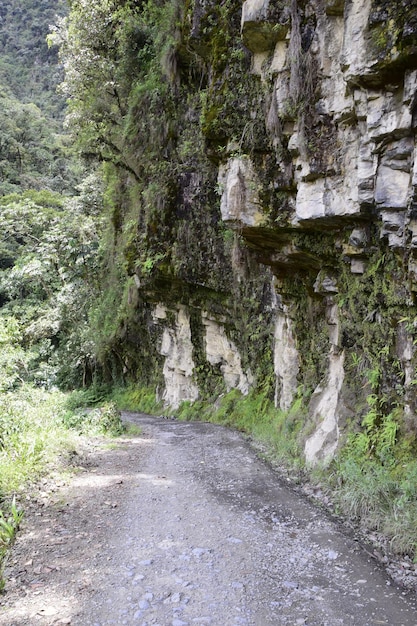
x: 49, y: 273
x: 32, y: 154
x: 28, y: 68
x: 102, y: 45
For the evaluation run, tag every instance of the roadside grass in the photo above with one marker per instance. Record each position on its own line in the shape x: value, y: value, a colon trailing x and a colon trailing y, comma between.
x: 103, y: 420
x: 132, y: 430
x: 9, y: 525
x: 131, y: 398
x: 38, y: 430
x: 32, y: 436
x: 380, y: 498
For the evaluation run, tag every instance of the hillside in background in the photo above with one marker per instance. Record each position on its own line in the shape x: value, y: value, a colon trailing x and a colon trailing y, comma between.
x: 34, y: 151
x: 29, y: 69
x: 48, y: 208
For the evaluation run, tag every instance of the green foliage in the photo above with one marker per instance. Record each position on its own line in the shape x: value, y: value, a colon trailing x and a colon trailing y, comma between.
x: 32, y: 154
x: 105, y: 420
x: 48, y: 240
x: 48, y: 270
x: 30, y: 435
x: 379, y: 496
x: 9, y: 525
x: 108, y: 313
x: 373, y: 478
x: 90, y: 396
x: 106, y: 47
x: 28, y: 68
x: 199, y: 410
x: 137, y: 399
x: 13, y: 359
x: 231, y: 90
x: 371, y: 307
x: 378, y: 436
x: 312, y: 334
x: 365, y: 491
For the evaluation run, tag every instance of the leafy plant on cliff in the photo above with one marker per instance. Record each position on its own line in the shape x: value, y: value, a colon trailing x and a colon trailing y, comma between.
x: 111, y: 53
x: 372, y: 476
x: 372, y: 306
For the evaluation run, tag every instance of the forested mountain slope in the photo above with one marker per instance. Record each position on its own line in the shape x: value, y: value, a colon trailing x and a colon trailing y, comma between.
x: 33, y: 152
x: 29, y: 69
x: 48, y: 206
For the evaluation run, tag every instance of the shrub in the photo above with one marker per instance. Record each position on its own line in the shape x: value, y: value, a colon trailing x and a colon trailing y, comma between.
x: 105, y: 420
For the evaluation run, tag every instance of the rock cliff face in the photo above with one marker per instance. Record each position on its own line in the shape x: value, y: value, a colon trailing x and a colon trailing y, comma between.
x: 342, y: 101
x: 292, y: 255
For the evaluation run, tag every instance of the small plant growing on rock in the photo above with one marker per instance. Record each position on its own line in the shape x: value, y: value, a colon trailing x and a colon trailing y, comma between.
x: 9, y: 525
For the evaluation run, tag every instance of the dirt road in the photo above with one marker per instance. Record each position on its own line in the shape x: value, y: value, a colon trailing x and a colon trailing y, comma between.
x: 185, y: 525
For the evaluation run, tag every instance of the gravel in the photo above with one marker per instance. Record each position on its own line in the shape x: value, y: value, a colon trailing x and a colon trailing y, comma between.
x: 185, y: 525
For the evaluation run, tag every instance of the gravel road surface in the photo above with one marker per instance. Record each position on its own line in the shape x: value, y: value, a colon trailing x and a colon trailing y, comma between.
x: 184, y: 525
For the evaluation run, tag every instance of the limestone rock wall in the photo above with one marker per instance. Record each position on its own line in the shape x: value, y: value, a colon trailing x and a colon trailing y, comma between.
x: 286, y: 361
x: 220, y: 350
x: 277, y: 243
x: 339, y: 87
x: 177, y: 348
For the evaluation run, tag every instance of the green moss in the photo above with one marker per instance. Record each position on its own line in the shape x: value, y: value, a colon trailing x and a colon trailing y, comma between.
x: 231, y: 91
x: 252, y: 326
x: 313, y: 342
x: 393, y: 28
x: 320, y: 245
x: 370, y: 309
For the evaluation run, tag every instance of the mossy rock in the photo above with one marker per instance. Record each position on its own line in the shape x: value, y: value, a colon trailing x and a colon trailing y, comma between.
x: 392, y: 38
